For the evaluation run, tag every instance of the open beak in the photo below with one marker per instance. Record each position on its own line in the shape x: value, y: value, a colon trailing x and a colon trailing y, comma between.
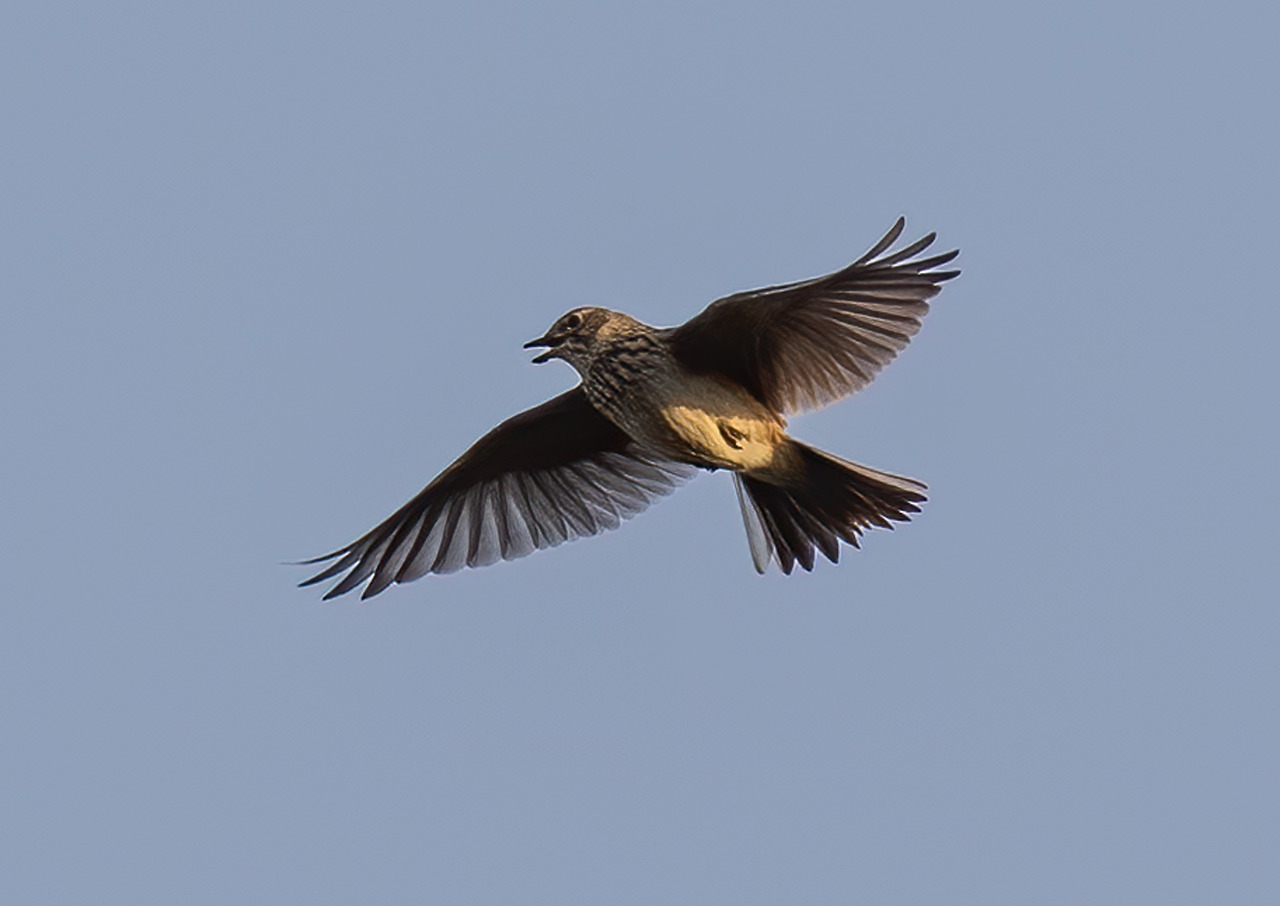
x: 539, y: 343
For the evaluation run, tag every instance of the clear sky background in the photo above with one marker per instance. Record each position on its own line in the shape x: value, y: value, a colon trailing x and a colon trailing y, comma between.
x: 265, y: 268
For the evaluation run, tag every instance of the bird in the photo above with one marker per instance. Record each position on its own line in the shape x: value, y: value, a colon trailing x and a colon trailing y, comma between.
x: 655, y: 406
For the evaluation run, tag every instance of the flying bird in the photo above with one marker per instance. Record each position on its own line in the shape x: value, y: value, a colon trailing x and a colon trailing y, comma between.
x: 654, y: 406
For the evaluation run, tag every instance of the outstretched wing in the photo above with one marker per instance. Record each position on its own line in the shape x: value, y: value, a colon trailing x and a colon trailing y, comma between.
x: 553, y: 473
x: 806, y: 344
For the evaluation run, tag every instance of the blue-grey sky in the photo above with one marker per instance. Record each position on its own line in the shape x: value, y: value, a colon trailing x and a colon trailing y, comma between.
x: 266, y: 268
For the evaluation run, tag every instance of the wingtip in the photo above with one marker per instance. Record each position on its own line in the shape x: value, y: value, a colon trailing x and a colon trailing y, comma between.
x: 894, y: 233
x: 314, y: 560
x: 886, y: 240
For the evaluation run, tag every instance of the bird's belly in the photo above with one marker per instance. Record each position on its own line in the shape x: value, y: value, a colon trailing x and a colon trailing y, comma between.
x: 719, y: 425
x: 721, y: 440
x: 698, y: 419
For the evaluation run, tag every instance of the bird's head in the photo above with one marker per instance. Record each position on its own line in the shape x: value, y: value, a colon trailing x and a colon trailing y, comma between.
x: 572, y: 337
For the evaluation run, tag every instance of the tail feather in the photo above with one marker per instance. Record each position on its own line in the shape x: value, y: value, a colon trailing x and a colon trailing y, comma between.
x: 832, y: 500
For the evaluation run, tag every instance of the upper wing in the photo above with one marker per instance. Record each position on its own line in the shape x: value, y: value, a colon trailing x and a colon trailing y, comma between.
x: 555, y: 472
x: 807, y: 344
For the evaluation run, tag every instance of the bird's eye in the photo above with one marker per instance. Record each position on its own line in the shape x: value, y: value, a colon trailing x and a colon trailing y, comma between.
x: 573, y: 322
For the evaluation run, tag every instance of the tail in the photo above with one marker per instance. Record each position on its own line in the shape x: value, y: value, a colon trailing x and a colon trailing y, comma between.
x: 830, y: 501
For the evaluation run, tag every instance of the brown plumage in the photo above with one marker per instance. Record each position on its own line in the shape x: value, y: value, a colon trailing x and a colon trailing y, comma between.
x: 655, y: 405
